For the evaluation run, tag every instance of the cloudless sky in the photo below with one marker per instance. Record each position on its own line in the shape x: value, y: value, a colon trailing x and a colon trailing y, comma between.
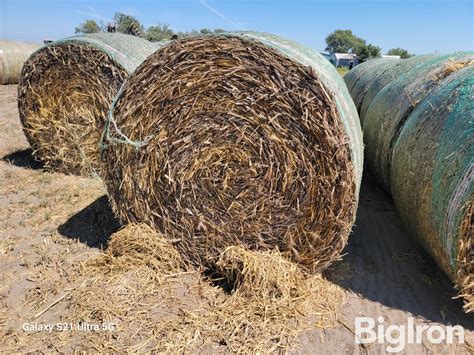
x: 420, y: 26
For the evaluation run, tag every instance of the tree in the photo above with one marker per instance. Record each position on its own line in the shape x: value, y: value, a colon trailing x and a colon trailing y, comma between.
x: 128, y: 24
x: 343, y: 41
x: 403, y: 53
x: 158, y: 33
x: 89, y: 26
x: 202, y: 31
x: 366, y: 51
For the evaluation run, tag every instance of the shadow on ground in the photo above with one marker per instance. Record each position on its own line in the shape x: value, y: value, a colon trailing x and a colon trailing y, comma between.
x: 93, y: 225
x: 23, y: 159
x: 384, y: 264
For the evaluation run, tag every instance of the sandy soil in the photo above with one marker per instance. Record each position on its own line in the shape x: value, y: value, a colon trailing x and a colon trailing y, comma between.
x: 51, y: 222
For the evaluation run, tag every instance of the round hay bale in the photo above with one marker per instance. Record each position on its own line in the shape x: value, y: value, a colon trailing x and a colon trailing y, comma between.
x: 432, y: 178
x: 359, y: 79
x: 242, y: 139
x: 12, y: 56
x: 385, y: 76
x: 65, y: 92
x: 391, y: 107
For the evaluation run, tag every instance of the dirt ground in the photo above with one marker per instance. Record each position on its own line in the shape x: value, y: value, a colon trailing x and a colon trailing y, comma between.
x: 50, y: 223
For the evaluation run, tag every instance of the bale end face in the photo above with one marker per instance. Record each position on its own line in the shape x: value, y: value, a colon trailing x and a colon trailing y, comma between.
x: 228, y: 142
x: 63, y: 98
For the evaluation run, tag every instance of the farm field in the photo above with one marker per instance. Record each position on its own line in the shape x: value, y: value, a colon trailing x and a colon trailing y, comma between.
x: 51, y: 225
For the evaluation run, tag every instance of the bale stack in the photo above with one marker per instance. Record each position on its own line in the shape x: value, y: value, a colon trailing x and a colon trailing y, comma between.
x: 12, y: 56
x: 366, y: 80
x: 432, y: 177
x: 419, y: 135
x: 65, y: 91
x: 390, y: 72
x: 392, y: 106
x: 240, y: 139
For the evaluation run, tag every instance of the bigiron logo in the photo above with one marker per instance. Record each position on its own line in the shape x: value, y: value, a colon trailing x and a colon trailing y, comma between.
x: 398, y: 336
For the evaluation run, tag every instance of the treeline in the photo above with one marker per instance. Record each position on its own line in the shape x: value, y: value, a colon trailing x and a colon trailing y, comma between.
x: 339, y: 41
x: 130, y: 25
x: 344, y: 41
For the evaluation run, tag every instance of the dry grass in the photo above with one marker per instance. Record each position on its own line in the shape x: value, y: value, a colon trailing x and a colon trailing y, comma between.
x: 465, y: 274
x: 140, y: 245
x: 236, y: 145
x: 453, y: 66
x: 63, y: 97
x: 136, y: 285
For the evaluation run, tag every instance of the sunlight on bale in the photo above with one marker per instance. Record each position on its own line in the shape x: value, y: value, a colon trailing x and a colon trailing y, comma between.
x: 65, y: 91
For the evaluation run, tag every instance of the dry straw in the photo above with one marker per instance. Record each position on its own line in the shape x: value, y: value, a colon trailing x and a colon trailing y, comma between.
x: 269, y: 299
x: 222, y: 141
x: 65, y: 91
x: 159, y: 304
x: 12, y: 56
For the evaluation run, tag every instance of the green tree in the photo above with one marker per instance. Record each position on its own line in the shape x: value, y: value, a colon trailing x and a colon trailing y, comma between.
x: 403, y: 53
x: 202, y: 31
x: 367, y: 51
x: 128, y: 24
x: 89, y: 26
x: 158, y: 33
x: 343, y: 41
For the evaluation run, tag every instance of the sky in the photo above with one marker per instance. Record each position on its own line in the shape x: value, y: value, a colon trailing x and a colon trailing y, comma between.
x: 420, y: 26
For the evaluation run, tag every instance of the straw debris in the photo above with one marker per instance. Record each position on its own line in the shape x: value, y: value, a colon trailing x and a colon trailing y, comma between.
x: 137, y: 245
x: 64, y: 94
x: 264, y: 275
x: 165, y: 306
x: 465, y: 274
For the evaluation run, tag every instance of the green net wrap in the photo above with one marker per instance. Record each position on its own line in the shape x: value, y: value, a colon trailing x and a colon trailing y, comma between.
x: 359, y: 79
x: 383, y: 77
x: 128, y: 51
x: 433, y: 173
x: 393, y: 104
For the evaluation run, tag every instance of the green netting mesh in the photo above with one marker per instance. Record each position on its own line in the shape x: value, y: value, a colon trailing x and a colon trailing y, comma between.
x: 128, y: 51
x: 393, y: 104
x: 387, y: 75
x: 360, y: 78
x: 433, y: 171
